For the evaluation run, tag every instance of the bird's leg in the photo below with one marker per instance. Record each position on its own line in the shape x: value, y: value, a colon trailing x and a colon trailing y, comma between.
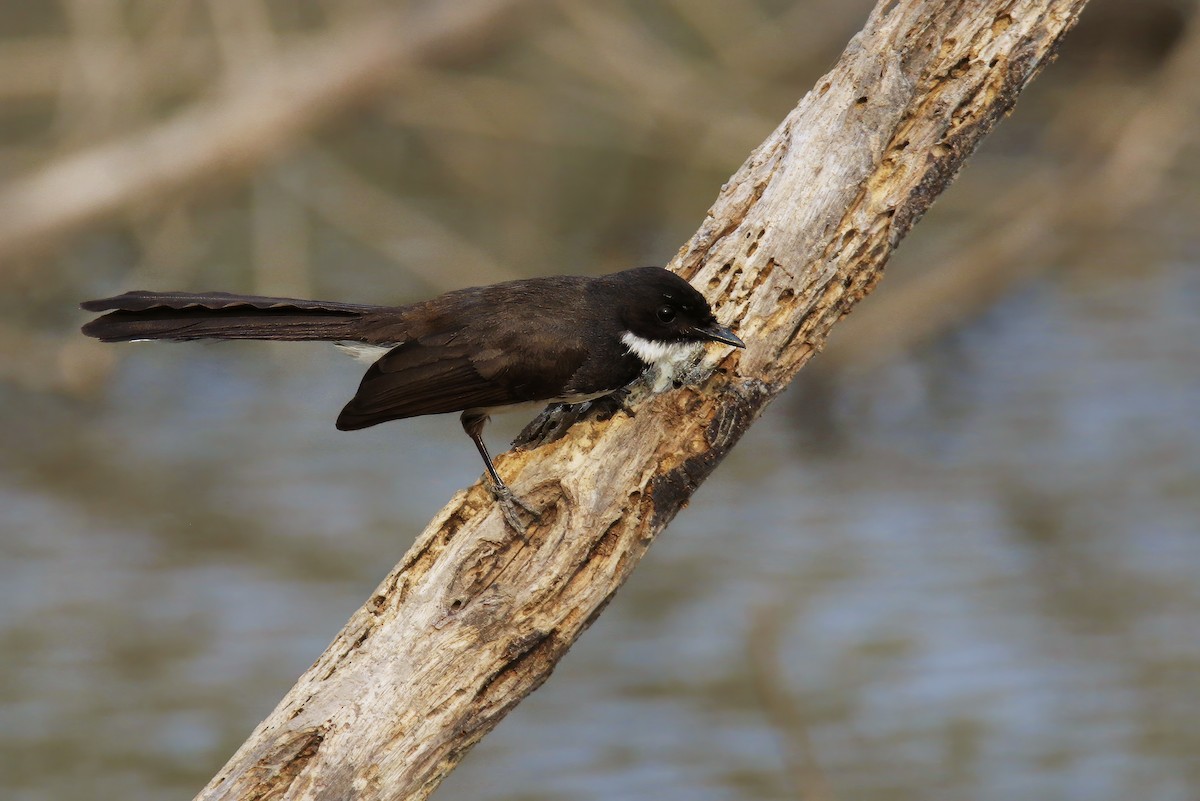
x: 472, y: 423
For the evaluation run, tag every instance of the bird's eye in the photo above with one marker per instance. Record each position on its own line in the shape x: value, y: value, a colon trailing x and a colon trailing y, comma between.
x: 665, y: 314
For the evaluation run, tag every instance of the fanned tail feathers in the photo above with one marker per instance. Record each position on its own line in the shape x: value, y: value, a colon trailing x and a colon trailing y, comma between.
x: 219, y: 315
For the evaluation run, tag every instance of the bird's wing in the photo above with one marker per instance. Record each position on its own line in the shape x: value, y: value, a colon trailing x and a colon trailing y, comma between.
x: 435, y: 374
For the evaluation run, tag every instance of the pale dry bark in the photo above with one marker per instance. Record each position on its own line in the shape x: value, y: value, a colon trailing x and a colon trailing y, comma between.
x: 1041, y: 216
x: 474, y: 618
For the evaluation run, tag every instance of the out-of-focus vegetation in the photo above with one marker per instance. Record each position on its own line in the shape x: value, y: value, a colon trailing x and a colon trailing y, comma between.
x: 532, y: 138
x: 555, y: 138
x: 381, y: 151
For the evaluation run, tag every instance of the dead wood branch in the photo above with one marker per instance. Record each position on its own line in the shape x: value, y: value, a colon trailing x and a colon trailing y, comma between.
x: 473, y: 618
x: 1041, y: 216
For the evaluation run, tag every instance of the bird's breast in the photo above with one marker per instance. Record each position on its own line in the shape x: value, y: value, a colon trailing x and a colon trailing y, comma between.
x: 665, y: 359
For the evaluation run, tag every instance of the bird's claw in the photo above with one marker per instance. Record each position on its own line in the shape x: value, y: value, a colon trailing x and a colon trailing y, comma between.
x: 511, y: 505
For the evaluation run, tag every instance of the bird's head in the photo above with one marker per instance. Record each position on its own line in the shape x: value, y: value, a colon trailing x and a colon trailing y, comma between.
x: 661, y: 310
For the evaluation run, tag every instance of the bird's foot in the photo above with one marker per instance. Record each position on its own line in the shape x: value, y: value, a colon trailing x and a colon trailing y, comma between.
x: 557, y: 418
x: 511, y: 506
x: 610, y: 405
x: 550, y: 425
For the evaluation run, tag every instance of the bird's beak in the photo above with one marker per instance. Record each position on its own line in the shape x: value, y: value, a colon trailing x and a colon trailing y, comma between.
x: 719, y: 333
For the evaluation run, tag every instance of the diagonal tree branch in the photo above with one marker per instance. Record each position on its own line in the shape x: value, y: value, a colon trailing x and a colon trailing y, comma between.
x: 474, y: 618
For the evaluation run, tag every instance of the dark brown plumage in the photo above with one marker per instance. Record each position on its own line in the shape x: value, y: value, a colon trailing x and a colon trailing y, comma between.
x: 220, y: 315
x: 562, y: 338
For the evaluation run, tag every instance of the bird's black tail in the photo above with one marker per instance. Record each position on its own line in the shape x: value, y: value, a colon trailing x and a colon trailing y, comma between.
x: 218, y: 315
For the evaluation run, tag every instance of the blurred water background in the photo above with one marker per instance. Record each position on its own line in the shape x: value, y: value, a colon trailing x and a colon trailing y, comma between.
x: 959, y: 559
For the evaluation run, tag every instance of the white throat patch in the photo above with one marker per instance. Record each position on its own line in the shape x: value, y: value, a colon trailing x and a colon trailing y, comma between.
x: 665, y: 358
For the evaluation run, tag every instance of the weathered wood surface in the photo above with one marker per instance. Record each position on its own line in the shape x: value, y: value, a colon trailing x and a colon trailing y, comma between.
x: 474, y: 618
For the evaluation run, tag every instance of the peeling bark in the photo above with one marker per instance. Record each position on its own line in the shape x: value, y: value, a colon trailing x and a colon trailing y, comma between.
x: 474, y: 618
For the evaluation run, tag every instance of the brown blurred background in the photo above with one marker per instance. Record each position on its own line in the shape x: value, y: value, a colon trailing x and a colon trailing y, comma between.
x: 958, y: 560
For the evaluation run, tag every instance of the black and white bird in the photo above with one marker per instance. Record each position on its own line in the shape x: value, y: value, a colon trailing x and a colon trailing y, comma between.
x: 564, y: 339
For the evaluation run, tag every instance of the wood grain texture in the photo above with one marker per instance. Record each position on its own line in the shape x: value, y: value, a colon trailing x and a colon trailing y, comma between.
x: 474, y: 618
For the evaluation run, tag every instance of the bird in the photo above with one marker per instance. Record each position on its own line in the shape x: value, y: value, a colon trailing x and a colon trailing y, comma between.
x: 476, y: 351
